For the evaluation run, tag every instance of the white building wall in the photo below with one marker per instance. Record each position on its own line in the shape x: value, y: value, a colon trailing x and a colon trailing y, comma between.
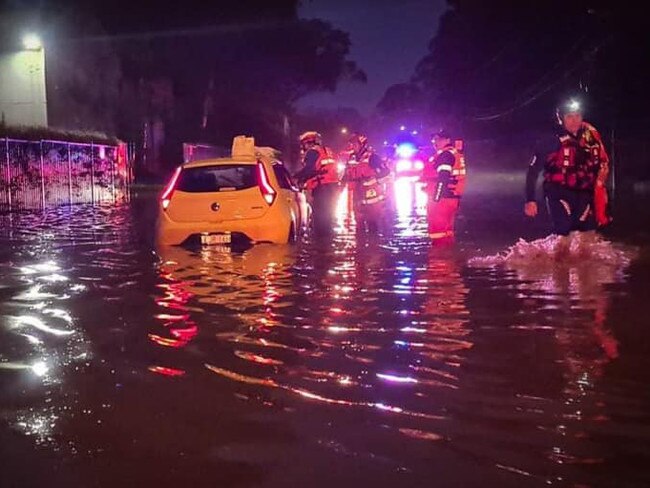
x: 23, y: 98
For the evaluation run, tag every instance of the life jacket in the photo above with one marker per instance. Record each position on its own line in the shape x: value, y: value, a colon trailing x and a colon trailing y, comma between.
x: 456, y: 184
x: 578, y: 161
x: 326, y: 171
x: 367, y: 187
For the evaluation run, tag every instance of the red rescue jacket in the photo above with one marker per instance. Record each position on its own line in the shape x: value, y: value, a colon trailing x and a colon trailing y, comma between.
x: 580, y: 162
x: 367, y: 187
x: 455, y: 174
x: 325, y: 170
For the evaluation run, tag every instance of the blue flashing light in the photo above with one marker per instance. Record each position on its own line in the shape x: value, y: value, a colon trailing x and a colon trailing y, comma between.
x: 406, y: 150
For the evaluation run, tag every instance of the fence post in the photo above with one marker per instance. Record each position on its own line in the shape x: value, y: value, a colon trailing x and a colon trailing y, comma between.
x: 69, y: 176
x: 92, y: 173
x: 131, y: 164
x: 113, y: 169
x: 42, y: 176
x: 613, y: 164
x: 9, y: 196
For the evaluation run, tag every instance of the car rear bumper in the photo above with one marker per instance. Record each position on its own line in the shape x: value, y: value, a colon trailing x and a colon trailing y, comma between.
x: 264, y: 229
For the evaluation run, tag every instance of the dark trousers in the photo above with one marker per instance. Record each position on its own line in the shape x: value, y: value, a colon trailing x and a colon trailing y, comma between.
x: 570, y: 210
x: 370, y: 217
x: 324, y: 200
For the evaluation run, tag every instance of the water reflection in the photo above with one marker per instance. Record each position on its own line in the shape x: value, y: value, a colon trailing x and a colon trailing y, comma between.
x: 563, y: 305
x: 410, y: 197
x: 585, y: 346
x: 370, y: 351
x: 362, y: 321
x: 42, y: 341
x: 53, y: 262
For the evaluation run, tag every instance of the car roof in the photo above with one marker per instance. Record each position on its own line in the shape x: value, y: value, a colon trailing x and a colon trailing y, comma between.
x: 227, y: 161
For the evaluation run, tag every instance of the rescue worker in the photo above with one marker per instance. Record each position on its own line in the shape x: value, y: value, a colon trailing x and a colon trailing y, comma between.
x: 575, y: 166
x: 366, y: 175
x: 319, y: 175
x: 444, y: 176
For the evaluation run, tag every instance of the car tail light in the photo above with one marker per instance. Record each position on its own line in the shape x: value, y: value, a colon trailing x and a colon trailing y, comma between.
x: 166, y: 197
x: 265, y: 187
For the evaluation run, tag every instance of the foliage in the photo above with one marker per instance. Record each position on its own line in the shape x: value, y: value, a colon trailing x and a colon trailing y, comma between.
x: 203, y: 72
x: 29, y: 133
x: 504, y: 65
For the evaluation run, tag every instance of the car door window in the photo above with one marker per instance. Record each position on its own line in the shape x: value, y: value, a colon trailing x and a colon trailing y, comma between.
x: 283, y: 177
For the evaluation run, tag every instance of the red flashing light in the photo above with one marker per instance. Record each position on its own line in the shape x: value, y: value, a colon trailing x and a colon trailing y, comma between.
x: 265, y: 187
x: 169, y: 189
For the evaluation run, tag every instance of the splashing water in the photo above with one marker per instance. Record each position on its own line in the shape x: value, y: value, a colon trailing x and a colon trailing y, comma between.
x: 575, y: 249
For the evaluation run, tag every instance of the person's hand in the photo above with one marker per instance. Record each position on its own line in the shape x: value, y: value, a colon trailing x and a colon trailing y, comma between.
x: 531, y: 209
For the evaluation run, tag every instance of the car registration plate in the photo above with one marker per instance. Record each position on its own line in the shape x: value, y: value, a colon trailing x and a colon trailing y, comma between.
x: 216, y: 239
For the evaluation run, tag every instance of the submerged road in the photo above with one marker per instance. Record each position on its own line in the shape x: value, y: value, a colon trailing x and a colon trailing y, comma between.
x: 360, y: 360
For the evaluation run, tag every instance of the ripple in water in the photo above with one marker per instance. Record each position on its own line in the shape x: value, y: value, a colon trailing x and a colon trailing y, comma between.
x: 374, y: 348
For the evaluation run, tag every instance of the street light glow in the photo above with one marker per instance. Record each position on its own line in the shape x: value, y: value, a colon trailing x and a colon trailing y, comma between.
x: 344, y: 130
x: 32, y: 42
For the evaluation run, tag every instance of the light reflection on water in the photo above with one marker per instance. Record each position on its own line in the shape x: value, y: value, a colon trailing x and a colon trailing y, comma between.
x: 43, y: 330
x: 377, y: 348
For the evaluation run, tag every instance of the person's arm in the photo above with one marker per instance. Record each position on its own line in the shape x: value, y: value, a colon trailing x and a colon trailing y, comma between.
x: 543, y: 148
x: 534, y: 168
x: 445, y: 166
x: 309, y: 166
x: 377, y: 163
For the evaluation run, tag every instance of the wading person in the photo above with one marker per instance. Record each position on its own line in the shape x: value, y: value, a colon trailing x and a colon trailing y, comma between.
x: 444, y: 176
x: 319, y: 176
x: 575, y: 166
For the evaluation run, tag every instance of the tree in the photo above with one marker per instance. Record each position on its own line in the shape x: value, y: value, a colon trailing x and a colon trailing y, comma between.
x: 403, y: 104
x: 335, y: 125
x: 228, y: 68
x: 401, y: 99
x: 506, y: 63
x: 257, y: 75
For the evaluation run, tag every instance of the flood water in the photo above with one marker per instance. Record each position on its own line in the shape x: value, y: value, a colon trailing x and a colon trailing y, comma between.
x: 360, y: 360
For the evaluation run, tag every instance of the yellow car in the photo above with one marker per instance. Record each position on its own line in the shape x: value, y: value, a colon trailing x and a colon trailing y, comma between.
x: 248, y: 198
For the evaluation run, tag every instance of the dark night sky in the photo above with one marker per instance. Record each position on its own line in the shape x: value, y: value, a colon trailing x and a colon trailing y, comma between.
x: 388, y: 38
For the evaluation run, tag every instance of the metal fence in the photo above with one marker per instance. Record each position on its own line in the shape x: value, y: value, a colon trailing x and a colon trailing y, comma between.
x: 39, y: 174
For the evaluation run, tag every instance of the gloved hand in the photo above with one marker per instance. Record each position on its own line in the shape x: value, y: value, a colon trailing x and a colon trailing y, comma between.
x: 440, y: 186
x: 299, y: 181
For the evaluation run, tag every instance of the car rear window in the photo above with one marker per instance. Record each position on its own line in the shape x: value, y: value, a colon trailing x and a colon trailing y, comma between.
x: 224, y: 177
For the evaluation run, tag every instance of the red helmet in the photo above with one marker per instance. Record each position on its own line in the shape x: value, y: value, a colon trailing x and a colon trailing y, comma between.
x: 310, y: 138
